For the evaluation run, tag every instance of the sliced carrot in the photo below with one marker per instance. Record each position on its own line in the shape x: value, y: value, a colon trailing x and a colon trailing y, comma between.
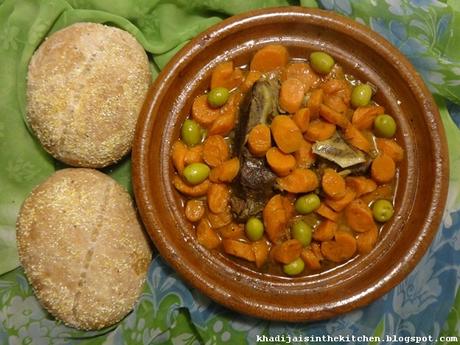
x: 287, y: 251
x: 259, y: 140
x: 298, y: 181
x: 301, y: 71
x: 219, y: 220
x: 314, y: 103
x: 206, y: 236
x: 178, y: 152
x: 336, y: 103
x: 239, y: 249
x: 319, y: 130
x: 341, y: 249
x: 390, y: 148
x: 196, y: 190
x: 215, y: 150
x: 302, y: 119
x: 367, y: 240
x: 291, y: 95
x: 194, y: 210
x: 334, y: 85
x: 218, y: 197
x: 281, y: 163
x: 287, y: 135
x: 383, y: 169
x: 250, y: 79
x: 236, y: 79
x: 275, y: 218
x: 311, y: 260
x: 333, y: 184
x: 384, y: 191
x: 363, y: 117
x: 338, y: 87
x: 304, y: 155
x: 203, y: 113
x: 340, y: 204
x: 224, y: 75
x: 194, y: 155
x: 225, y: 172
x: 221, y: 73
x: 288, y: 205
x: 232, y: 230
x: 356, y: 138
x: 269, y: 58
x: 260, y: 250
x: 333, y: 116
x: 359, y: 216
x: 316, y: 249
x: 327, y: 212
x: 360, y: 185
x: 325, y: 231
x: 223, y: 124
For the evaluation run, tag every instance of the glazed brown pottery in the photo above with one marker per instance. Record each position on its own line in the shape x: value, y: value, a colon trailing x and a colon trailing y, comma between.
x: 423, y: 175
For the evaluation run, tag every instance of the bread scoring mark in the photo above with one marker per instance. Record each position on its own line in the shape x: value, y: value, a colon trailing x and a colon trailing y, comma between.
x: 75, y: 98
x: 108, y: 190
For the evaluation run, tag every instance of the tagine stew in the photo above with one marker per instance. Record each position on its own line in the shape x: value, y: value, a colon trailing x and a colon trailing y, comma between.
x: 287, y: 164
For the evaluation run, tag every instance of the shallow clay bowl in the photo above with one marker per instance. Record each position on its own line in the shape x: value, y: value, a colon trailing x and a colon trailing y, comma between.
x: 423, y: 175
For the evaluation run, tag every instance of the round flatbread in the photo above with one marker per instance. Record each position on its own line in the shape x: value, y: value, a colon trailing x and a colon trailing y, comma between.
x: 82, y: 248
x: 85, y: 88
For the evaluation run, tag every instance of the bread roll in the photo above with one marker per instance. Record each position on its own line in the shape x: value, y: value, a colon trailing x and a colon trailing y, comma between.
x: 85, y: 88
x: 82, y: 248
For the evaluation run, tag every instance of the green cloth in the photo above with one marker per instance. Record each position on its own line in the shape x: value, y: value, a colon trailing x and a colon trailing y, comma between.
x: 163, y: 27
x: 160, y: 26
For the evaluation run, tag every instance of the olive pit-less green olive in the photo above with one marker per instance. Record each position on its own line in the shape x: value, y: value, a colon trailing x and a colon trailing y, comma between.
x: 321, y: 62
x: 382, y: 210
x: 302, y: 232
x: 361, y: 95
x: 307, y: 203
x: 196, y: 173
x: 294, y: 268
x: 218, y: 96
x: 254, y: 229
x: 191, y: 132
x: 384, y: 126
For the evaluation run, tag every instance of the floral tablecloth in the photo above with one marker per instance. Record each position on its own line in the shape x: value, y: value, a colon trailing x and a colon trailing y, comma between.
x: 426, y: 304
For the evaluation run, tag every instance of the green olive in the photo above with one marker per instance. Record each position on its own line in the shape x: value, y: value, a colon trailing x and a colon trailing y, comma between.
x: 321, y: 62
x: 384, y: 126
x: 196, y: 173
x: 361, y: 95
x: 295, y: 267
x: 301, y: 231
x: 382, y: 210
x: 217, y: 97
x: 307, y: 203
x: 191, y: 132
x: 254, y: 229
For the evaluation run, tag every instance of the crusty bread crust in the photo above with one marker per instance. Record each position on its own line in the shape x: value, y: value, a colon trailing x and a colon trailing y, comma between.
x: 85, y: 88
x: 83, y: 248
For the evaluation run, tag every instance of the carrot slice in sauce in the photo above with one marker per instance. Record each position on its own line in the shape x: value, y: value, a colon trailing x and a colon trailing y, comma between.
x: 269, y: 58
x: 383, y: 169
x: 359, y: 216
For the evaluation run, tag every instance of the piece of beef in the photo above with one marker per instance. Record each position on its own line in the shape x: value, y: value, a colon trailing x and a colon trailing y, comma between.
x: 254, y: 183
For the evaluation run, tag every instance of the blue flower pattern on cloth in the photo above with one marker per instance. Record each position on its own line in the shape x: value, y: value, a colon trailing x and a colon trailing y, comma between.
x: 419, y: 28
